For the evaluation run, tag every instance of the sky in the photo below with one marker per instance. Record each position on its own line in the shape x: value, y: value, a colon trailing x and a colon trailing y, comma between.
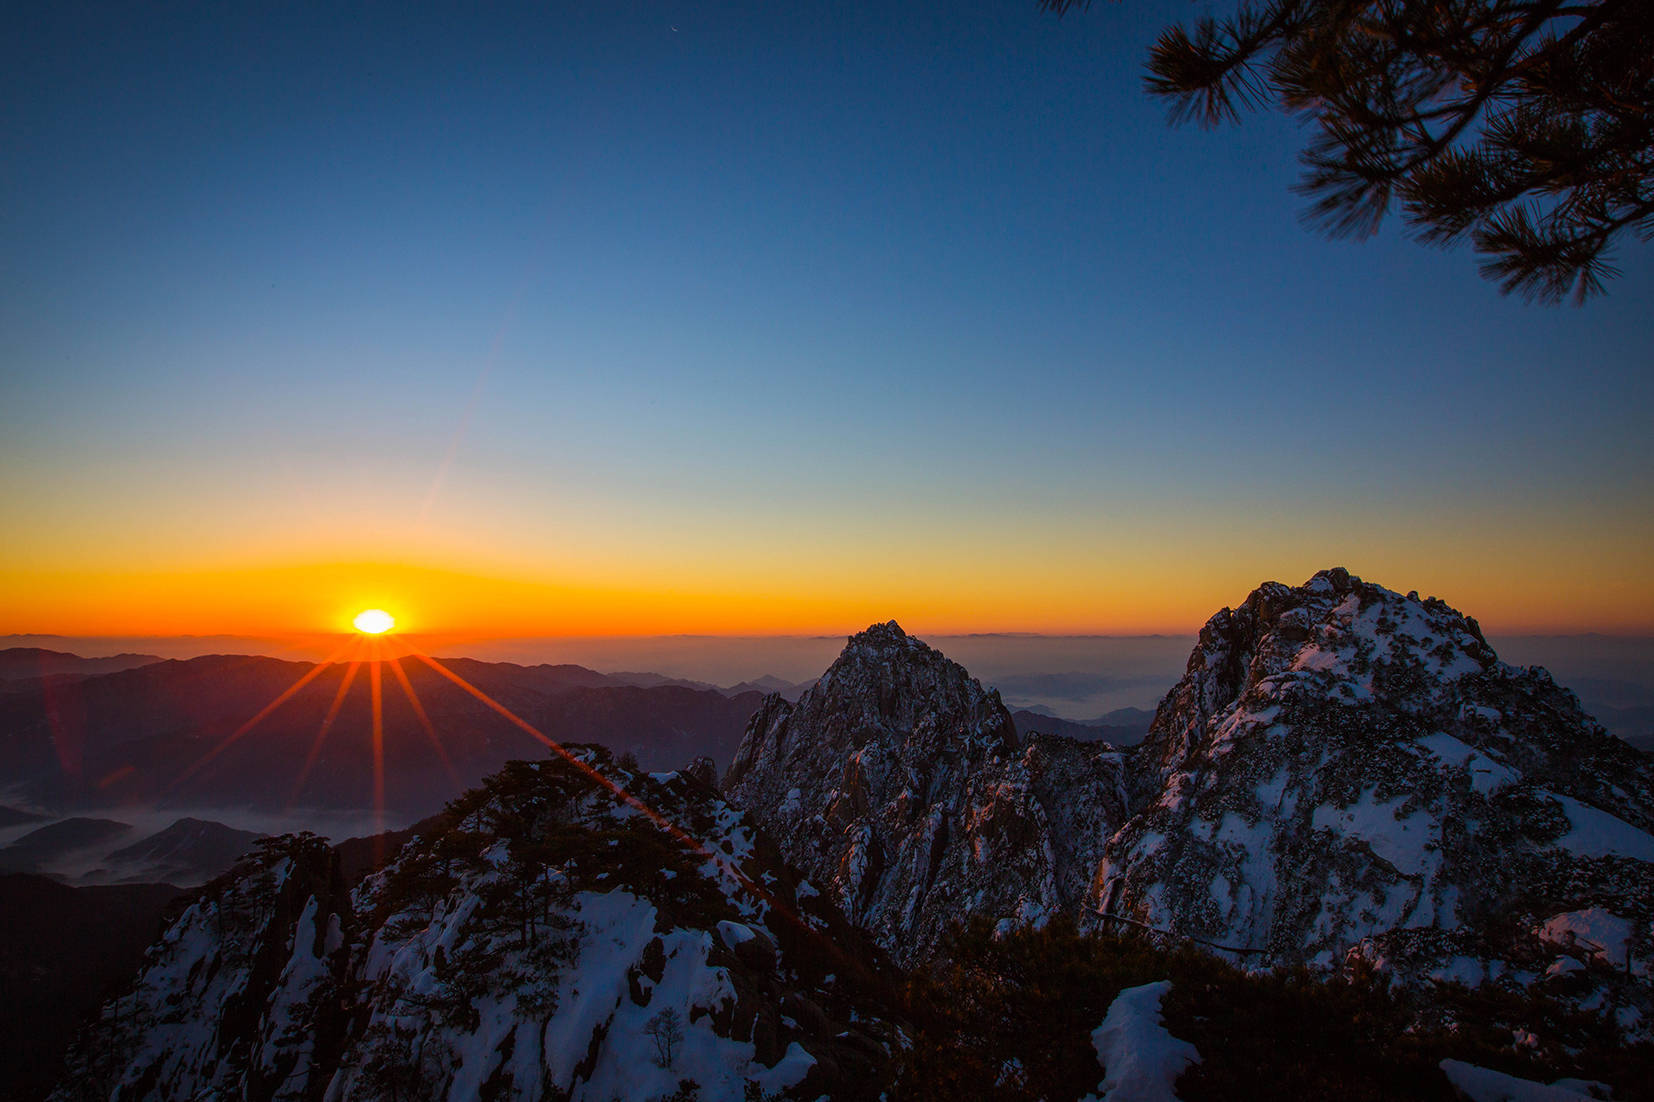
x: 651, y: 318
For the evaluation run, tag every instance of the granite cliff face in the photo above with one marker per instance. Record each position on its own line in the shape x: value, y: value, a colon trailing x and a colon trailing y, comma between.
x: 900, y: 784
x: 1345, y: 775
x: 1348, y: 773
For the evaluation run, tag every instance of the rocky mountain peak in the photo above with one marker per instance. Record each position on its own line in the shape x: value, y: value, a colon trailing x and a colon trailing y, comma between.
x: 887, y: 634
x: 900, y: 782
x: 1335, y: 633
x: 887, y: 679
x: 885, y: 687
x: 1343, y: 765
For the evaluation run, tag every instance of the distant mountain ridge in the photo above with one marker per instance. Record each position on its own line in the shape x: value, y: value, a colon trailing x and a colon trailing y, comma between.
x: 188, y: 852
x: 46, y: 845
x: 173, y: 733
x: 1130, y: 732
x: 29, y: 663
x: 89, y: 851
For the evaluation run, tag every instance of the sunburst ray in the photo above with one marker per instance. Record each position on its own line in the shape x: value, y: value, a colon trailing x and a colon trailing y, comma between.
x: 667, y: 826
x: 235, y: 736
x: 401, y: 676
x: 377, y: 693
x: 327, y: 725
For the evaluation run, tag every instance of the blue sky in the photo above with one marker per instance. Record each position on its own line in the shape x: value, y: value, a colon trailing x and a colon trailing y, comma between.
x: 792, y: 293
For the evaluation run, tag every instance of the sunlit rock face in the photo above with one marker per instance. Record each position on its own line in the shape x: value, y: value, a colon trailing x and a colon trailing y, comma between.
x: 540, y: 939
x: 1346, y: 770
x: 900, y: 783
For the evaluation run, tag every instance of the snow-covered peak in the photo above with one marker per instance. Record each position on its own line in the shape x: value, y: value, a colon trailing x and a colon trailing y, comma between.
x: 1339, y: 625
x: 1344, y: 765
x: 1334, y: 638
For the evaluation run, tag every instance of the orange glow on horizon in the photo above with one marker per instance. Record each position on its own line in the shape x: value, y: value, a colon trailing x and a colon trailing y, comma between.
x: 1175, y: 594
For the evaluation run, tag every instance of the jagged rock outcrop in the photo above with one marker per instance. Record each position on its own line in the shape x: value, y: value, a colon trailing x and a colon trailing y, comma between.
x: 543, y: 938
x: 1346, y: 769
x: 901, y: 784
x: 241, y: 993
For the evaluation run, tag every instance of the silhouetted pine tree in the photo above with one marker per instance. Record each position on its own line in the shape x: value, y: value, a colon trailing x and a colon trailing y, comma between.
x: 1525, y: 126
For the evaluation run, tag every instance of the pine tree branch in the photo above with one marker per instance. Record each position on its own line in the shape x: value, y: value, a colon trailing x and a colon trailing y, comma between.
x: 1526, y: 125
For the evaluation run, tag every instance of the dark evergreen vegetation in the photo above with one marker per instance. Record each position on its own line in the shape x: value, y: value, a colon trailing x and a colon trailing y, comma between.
x: 1010, y: 1018
x: 1523, y: 126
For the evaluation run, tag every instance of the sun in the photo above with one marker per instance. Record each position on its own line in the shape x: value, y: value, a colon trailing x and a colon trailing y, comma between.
x: 374, y: 621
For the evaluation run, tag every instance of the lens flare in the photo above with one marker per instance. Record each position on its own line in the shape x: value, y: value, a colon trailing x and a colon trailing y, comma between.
x: 374, y: 621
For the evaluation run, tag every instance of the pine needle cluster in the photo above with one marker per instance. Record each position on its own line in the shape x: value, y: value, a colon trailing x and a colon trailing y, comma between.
x: 1523, y: 126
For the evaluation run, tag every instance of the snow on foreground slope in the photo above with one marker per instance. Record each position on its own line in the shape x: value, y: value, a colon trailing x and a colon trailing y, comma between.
x: 1479, y: 1084
x: 1141, y: 1060
x: 540, y: 939
x: 1345, y: 772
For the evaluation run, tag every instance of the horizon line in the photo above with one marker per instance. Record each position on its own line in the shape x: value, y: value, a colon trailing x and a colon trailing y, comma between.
x: 1528, y: 633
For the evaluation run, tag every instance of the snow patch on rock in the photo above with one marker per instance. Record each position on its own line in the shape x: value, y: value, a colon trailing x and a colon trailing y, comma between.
x: 1141, y: 1060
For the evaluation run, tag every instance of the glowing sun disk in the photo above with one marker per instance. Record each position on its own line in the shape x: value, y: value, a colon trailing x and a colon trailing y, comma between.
x: 374, y: 621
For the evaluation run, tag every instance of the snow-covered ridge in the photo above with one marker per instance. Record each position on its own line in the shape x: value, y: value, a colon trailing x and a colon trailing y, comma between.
x: 539, y: 939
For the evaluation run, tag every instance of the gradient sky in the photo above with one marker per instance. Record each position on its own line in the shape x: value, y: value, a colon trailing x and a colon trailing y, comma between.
x: 660, y: 317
